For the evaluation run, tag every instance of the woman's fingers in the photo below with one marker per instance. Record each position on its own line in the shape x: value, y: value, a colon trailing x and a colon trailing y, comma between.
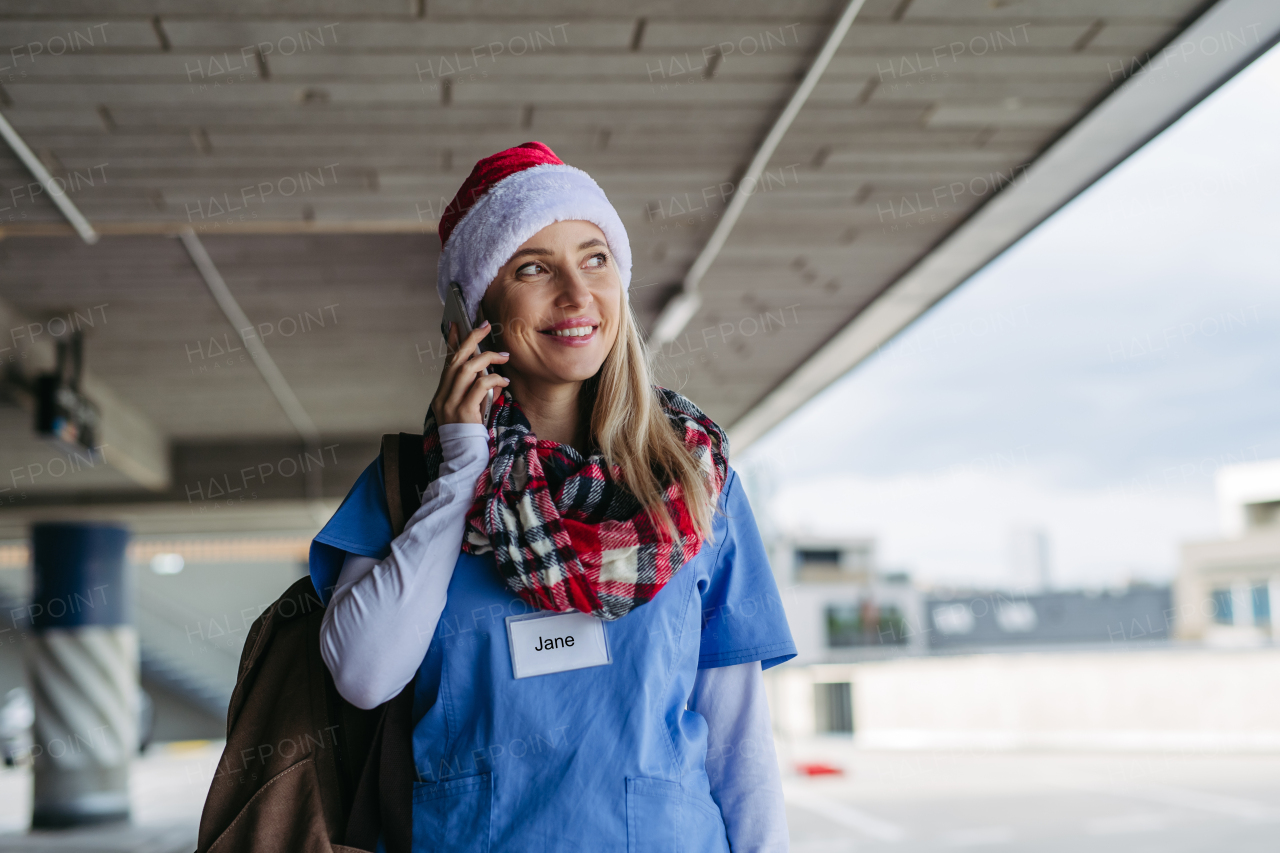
x: 463, y: 384
x: 458, y: 372
x: 465, y: 374
x: 473, y: 402
x: 477, y: 364
x: 460, y: 354
x: 470, y: 343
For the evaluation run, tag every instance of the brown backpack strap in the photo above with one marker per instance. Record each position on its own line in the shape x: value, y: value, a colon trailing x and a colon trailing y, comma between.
x: 391, y: 477
x: 405, y: 472
x: 397, y: 773
x: 383, y: 802
x: 384, y: 799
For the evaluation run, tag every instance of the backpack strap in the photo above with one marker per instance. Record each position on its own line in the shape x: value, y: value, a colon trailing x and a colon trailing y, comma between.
x: 404, y: 470
x: 391, y: 479
x: 383, y: 801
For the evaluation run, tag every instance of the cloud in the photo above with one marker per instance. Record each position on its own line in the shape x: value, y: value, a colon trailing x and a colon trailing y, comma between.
x: 1133, y: 334
x: 953, y: 526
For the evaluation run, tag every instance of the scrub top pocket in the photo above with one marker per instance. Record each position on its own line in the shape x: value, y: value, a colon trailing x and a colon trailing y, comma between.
x: 653, y: 815
x: 454, y: 814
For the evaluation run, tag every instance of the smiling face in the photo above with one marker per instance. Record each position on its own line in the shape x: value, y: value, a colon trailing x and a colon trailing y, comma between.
x: 557, y: 306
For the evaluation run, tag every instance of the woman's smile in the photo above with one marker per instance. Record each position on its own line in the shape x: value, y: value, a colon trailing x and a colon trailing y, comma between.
x: 574, y: 332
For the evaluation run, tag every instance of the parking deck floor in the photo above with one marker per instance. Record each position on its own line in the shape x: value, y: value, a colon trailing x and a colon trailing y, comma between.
x: 905, y: 802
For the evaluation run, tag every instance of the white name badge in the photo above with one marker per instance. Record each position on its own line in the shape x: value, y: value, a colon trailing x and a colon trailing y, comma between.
x: 542, y: 643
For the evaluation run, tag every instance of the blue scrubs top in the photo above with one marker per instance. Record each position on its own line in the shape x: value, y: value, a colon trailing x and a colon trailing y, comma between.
x: 606, y: 758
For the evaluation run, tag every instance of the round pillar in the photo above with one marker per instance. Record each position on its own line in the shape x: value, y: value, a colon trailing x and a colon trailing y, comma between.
x: 82, y: 662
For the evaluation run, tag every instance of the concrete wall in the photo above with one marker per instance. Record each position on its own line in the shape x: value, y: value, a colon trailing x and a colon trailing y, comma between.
x: 1173, y: 698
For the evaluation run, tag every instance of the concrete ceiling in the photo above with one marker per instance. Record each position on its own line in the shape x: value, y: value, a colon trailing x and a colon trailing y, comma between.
x: 312, y: 146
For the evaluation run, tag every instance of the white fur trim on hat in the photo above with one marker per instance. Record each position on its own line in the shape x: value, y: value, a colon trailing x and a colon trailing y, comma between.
x: 512, y: 211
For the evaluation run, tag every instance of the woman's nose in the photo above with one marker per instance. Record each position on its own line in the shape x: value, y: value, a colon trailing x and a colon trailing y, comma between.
x: 574, y: 292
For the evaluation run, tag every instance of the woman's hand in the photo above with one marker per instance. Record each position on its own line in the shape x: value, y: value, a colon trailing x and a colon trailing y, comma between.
x: 463, y: 385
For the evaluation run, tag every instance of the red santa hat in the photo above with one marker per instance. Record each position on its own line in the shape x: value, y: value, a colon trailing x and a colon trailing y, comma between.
x: 507, y: 199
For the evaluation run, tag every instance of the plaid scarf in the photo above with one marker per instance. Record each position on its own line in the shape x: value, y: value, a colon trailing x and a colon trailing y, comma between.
x: 565, y: 531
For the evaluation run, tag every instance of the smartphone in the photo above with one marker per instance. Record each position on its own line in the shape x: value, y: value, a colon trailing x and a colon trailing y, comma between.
x: 455, y: 311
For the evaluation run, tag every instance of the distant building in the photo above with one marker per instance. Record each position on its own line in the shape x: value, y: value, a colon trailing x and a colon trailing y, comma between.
x: 1029, y: 563
x: 840, y: 607
x: 846, y: 614
x: 1226, y: 588
x: 996, y: 620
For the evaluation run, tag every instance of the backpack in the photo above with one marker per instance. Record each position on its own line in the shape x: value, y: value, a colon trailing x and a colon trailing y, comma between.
x: 303, y: 769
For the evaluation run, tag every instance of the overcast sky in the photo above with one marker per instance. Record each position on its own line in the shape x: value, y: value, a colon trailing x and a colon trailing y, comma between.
x: 1088, y: 381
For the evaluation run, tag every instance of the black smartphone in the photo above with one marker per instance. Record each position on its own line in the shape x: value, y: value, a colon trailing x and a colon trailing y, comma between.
x: 455, y: 311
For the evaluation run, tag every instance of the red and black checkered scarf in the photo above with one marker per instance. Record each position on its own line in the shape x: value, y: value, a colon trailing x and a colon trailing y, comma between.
x: 565, y: 531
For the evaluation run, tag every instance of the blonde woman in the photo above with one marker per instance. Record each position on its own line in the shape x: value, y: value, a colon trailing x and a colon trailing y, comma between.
x: 582, y: 603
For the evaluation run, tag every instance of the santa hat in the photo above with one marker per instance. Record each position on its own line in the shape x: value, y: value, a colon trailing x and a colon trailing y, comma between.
x: 507, y: 199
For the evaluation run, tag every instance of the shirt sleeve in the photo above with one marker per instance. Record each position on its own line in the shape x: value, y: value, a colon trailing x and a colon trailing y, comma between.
x: 742, y: 615
x: 382, y: 615
x: 742, y: 765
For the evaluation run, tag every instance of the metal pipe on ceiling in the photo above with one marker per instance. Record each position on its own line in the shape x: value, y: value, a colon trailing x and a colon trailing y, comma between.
x: 278, y: 385
x: 41, y: 174
x: 685, y: 303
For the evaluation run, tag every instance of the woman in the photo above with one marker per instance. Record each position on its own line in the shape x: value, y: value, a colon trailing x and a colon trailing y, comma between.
x: 582, y: 601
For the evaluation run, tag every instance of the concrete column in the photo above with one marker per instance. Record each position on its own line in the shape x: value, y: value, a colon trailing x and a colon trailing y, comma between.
x: 83, y: 668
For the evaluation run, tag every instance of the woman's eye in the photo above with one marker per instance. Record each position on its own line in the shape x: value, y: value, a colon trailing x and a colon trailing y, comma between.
x: 597, y: 260
x: 531, y: 269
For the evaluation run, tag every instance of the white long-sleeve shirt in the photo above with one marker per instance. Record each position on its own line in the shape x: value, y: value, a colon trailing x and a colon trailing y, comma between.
x: 382, y: 616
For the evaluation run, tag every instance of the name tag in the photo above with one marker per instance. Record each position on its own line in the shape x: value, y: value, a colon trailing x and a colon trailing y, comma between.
x: 542, y: 643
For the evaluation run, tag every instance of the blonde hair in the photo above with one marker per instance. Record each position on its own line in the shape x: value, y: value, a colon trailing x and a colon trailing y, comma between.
x: 633, y: 432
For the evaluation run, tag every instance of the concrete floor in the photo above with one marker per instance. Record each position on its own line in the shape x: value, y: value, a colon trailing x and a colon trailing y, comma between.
x: 1043, y: 802
x: 891, y: 801
x: 168, y: 787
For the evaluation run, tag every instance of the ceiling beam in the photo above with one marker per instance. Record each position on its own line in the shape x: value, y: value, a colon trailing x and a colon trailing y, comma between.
x: 260, y: 485
x: 175, y: 519
x: 1143, y: 106
x: 174, y: 229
